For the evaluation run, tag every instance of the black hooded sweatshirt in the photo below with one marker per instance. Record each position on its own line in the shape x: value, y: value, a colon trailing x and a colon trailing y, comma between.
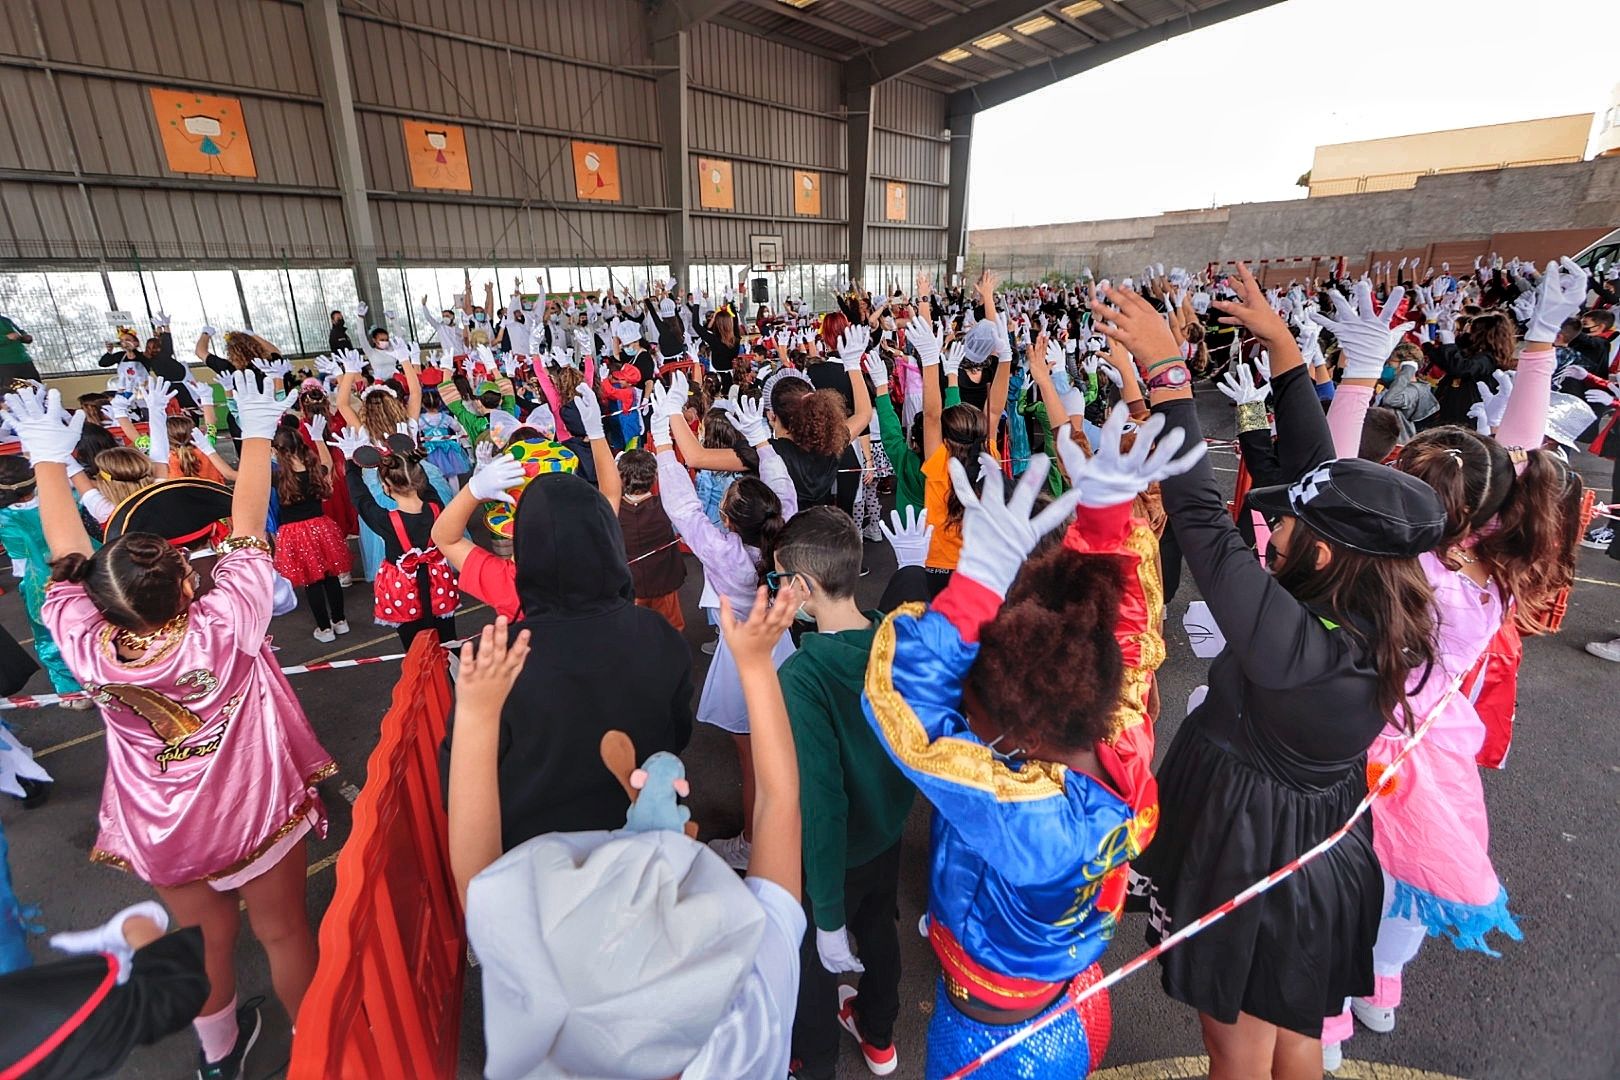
x: 597, y: 663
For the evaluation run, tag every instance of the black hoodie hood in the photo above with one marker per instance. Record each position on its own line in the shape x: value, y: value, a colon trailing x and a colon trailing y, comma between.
x: 568, y: 550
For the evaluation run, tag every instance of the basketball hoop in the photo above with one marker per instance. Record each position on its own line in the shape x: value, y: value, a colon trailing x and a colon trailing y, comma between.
x: 766, y: 250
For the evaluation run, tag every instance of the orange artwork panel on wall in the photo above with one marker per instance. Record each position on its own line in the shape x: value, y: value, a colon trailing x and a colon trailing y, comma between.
x: 438, y: 156
x: 203, y: 134
x: 894, y: 205
x: 596, y: 172
x: 714, y: 185
x: 807, y: 193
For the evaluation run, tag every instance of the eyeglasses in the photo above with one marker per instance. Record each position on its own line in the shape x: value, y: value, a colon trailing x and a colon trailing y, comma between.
x: 776, y: 579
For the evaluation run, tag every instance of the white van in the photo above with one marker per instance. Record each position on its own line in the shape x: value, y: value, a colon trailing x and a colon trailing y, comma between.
x: 1606, y: 247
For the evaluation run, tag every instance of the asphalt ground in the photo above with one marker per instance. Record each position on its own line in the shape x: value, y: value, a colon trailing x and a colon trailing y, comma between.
x: 1548, y: 1007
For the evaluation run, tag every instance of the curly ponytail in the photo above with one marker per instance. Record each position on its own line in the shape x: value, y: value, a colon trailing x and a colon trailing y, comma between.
x: 1532, y: 550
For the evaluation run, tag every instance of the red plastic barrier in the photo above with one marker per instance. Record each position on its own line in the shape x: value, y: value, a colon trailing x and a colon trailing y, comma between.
x: 386, y: 1000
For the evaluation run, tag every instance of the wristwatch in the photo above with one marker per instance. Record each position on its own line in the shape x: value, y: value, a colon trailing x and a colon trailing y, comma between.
x: 1172, y: 377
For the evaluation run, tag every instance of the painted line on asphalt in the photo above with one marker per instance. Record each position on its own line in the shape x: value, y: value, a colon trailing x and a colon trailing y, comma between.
x: 1595, y: 581
x: 99, y: 732
x: 1197, y: 1068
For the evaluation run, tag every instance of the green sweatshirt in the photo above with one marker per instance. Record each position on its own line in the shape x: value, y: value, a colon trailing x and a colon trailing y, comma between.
x: 854, y: 800
x: 475, y: 423
x: 908, y: 477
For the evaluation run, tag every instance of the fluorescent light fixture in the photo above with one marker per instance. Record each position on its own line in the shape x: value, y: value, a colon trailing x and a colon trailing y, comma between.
x: 992, y: 41
x: 1035, y: 25
x: 1084, y: 7
x: 954, y: 55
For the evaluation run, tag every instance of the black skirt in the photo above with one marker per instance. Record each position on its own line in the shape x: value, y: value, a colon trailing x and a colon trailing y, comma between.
x: 1293, y: 954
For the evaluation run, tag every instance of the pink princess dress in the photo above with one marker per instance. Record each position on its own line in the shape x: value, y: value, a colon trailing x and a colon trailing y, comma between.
x: 211, y: 762
x: 1430, y: 828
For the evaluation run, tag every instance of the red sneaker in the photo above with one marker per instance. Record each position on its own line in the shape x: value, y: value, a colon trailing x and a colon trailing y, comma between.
x: 878, y: 1062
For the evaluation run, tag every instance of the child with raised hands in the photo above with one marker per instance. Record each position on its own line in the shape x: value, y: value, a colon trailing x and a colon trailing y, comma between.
x: 1018, y: 704
x: 1334, y: 625
x: 211, y: 764
x: 632, y: 952
x: 736, y: 556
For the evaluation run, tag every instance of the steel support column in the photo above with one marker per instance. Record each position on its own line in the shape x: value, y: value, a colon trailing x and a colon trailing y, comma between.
x: 858, y: 131
x: 325, y: 27
x: 961, y: 127
x: 670, y: 55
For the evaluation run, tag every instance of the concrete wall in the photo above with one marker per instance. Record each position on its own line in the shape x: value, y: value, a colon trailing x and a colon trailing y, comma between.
x: 1456, y: 215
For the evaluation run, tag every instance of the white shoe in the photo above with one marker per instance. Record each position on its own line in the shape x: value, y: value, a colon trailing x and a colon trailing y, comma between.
x: 1598, y: 538
x: 1605, y: 650
x: 708, y: 647
x: 922, y: 926
x: 1376, y: 1018
x: 734, y: 849
x: 345, y: 580
x: 341, y: 626
x: 1332, y: 1056
x: 325, y: 636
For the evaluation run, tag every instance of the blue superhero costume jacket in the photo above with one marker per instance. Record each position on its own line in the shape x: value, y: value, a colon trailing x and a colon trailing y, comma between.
x: 1028, y: 859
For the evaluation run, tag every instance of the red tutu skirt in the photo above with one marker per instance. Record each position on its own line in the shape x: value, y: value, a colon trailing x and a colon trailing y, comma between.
x: 337, y: 505
x: 307, y: 551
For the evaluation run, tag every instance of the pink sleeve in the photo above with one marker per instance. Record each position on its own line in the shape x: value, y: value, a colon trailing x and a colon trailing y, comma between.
x: 1346, y: 416
x: 243, y: 596
x: 74, y: 622
x: 1524, y: 423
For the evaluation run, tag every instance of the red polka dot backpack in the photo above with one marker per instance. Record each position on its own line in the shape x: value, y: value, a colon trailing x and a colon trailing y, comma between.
x: 399, y: 598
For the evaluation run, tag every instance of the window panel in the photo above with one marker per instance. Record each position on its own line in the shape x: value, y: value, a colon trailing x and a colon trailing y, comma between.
x: 81, y: 309
x: 26, y: 300
x: 270, y: 308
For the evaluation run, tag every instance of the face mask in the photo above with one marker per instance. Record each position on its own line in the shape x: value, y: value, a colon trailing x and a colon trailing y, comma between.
x: 803, y: 616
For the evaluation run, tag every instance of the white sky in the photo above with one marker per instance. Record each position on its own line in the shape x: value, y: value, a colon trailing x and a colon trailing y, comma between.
x: 1324, y: 71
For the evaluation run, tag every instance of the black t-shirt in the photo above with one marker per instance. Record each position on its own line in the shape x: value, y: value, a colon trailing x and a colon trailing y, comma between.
x: 307, y: 507
x: 977, y: 392
x: 815, y: 478
x: 830, y: 375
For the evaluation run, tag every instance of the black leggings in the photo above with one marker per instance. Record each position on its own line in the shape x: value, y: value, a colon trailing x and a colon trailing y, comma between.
x: 445, y: 626
x: 326, y: 602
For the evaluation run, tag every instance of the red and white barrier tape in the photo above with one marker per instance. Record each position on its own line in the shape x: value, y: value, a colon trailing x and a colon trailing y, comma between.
x: 40, y: 701
x: 1203, y: 922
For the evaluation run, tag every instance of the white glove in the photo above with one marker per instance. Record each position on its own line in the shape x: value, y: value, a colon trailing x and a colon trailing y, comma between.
x: 45, y: 431
x: 117, y: 409
x: 413, y: 354
x: 257, y: 411
x: 833, y: 948
x: 926, y: 340
x: 1365, y: 335
x: 1111, y: 475
x: 317, y: 427
x: 952, y: 360
x: 1601, y: 398
x: 1559, y: 296
x: 1479, y: 413
x: 351, y: 360
x: 590, y: 411
x: 748, y: 417
x: 1310, y: 342
x: 208, y: 331
x: 667, y: 403
x: 349, y: 440
x: 490, y: 481
x: 1262, y: 363
x: 852, y: 346
x: 997, y: 535
x: 1238, y: 384
x: 360, y: 310
x: 384, y: 366
x: 910, y: 537
x: 877, y: 367
x: 156, y: 395
x: 1495, y: 401
x: 109, y: 937
x: 584, y: 344
x: 325, y: 365
x: 200, y: 442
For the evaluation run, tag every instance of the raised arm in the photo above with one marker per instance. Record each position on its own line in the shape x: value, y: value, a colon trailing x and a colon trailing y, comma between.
x: 777, y: 855
x: 413, y: 380
x: 1559, y: 295
x: 482, y: 685
x: 491, y: 481
x: 607, y: 470
x: 851, y: 347
x: 1366, y: 340
x: 344, y: 398
x: 49, y: 436
x: 259, y: 414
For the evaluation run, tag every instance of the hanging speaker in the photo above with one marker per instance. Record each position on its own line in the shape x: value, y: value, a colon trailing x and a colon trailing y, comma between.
x: 761, y: 289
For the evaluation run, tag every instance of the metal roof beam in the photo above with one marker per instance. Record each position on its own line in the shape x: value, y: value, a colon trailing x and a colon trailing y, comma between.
x: 1008, y: 87
x: 672, y: 16
x: 1125, y: 13
x: 809, y: 19
x: 917, y: 48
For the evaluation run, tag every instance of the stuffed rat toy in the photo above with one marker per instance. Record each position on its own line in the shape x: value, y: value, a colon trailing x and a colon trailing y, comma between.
x: 661, y: 778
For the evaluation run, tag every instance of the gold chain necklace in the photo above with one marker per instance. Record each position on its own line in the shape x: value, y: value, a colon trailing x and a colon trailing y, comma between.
x: 134, y: 642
